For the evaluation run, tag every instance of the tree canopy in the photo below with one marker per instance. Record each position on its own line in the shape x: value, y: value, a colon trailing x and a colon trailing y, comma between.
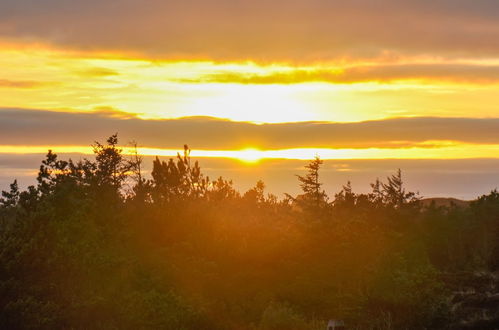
x: 97, y: 243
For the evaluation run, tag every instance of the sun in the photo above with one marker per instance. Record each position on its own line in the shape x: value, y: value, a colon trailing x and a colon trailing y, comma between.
x: 250, y: 155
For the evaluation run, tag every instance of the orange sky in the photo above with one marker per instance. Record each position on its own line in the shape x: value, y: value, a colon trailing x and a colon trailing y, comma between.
x: 412, y: 80
x: 41, y: 77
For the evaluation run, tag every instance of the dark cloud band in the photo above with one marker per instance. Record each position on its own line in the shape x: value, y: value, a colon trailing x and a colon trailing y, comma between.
x: 37, y: 127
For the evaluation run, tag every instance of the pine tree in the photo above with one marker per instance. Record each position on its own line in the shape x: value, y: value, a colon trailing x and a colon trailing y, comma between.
x: 10, y: 198
x: 112, y: 168
x: 395, y: 194
x: 311, y: 185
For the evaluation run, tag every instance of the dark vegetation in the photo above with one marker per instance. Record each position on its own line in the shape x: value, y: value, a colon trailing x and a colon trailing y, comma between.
x: 96, y: 245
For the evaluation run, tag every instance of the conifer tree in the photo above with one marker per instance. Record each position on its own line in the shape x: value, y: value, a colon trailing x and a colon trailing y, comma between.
x: 311, y: 185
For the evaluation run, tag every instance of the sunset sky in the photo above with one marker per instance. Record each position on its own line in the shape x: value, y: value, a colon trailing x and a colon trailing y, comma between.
x: 256, y: 88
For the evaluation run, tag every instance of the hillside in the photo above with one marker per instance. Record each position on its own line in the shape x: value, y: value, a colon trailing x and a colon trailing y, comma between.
x: 446, y: 202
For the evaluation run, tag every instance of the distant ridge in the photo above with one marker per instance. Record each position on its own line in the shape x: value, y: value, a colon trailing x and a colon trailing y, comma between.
x: 445, y: 201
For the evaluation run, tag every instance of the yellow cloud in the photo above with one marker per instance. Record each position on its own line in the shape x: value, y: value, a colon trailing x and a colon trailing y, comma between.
x: 344, y: 91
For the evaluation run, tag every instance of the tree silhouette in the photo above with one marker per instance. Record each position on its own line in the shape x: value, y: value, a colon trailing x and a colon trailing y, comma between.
x: 394, y: 193
x: 10, y: 198
x: 96, y: 244
x: 313, y: 196
x: 180, y: 179
x: 112, y: 168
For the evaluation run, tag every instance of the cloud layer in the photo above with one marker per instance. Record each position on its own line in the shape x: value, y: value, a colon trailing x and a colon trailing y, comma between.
x: 260, y: 29
x: 36, y: 127
x: 455, y: 72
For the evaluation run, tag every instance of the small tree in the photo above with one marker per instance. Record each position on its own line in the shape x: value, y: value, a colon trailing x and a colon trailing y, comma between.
x: 140, y: 187
x: 256, y: 194
x: 346, y: 197
x: 395, y: 194
x: 10, y: 198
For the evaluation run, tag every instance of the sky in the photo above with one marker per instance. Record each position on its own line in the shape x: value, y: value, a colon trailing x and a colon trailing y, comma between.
x: 255, y: 87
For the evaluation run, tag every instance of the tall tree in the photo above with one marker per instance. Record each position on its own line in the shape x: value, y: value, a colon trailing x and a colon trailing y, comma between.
x: 314, y: 196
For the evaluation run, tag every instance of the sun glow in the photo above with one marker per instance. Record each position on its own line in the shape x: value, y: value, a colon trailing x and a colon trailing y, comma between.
x: 251, y: 156
x: 50, y: 79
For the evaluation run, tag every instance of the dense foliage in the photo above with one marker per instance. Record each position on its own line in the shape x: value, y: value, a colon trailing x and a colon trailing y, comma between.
x: 96, y: 245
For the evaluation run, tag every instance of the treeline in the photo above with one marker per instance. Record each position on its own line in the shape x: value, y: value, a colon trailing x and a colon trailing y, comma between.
x: 96, y: 245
